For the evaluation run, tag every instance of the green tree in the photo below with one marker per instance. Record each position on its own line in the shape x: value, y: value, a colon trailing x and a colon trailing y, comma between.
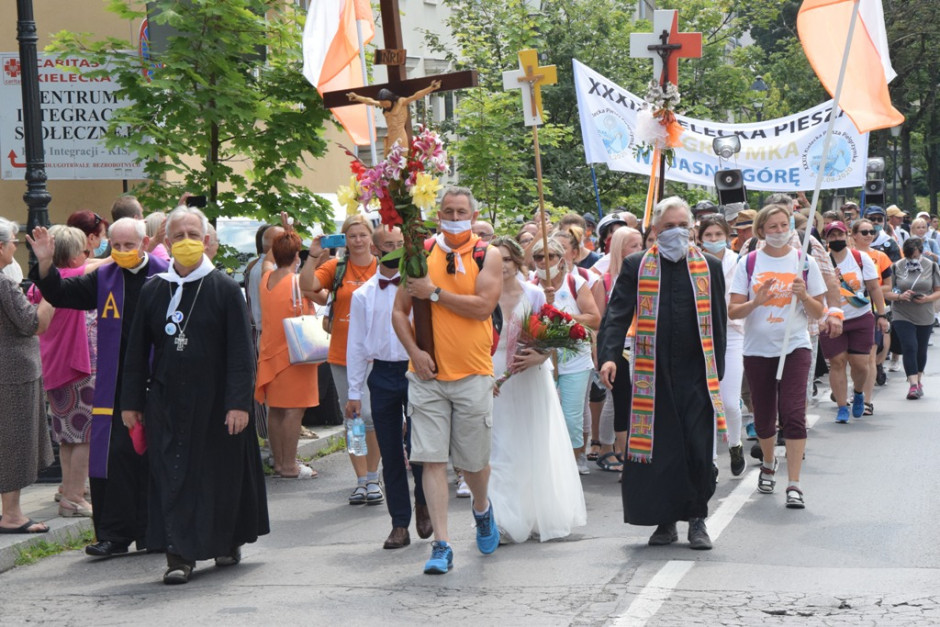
x: 211, y: 114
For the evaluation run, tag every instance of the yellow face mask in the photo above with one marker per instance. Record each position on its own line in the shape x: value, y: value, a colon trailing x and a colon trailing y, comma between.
x: 127, y: 260
x: 188, y: 251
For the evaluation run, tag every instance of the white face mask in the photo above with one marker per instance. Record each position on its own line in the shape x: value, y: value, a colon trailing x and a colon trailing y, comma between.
x: 455, y: 227
x: 777, y: 240
x: 543, y: 274
x: 673, y: 243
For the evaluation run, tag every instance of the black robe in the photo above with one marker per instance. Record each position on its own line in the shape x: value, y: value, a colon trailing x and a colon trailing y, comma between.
x: 207, y: 492
x: 680, y: 480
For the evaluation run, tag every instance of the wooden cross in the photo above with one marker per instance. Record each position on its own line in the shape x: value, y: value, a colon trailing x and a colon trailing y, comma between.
x: 527, y: 80
x: 665, y: 46
x: 393, y: 57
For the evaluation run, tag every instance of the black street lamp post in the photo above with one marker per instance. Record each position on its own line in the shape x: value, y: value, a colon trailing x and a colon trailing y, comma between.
x: 37, y: 197
x: 760, y: 87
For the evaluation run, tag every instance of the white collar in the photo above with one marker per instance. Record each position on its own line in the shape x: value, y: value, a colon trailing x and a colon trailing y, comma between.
x: 170, y: 276
x: 140, y: 266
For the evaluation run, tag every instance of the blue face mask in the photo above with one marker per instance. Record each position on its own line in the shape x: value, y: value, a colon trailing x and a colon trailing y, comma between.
x: 716, y: 246
x: 103, y: 246
x: 792, y: 223
x: 878, y: 229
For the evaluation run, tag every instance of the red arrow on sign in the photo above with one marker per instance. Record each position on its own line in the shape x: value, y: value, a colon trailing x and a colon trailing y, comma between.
x: 13, y: 162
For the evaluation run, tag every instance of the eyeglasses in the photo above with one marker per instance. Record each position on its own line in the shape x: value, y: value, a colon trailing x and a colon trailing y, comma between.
x: 866, y: 232
x: 540, y: 257
x: 451, y: 265
x: 876, y: 220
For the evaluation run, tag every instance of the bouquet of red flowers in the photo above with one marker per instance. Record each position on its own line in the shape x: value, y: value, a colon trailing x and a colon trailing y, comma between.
x: 549, y: 329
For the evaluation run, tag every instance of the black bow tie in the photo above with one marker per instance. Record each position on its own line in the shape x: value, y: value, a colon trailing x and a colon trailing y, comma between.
x: 383, y: 283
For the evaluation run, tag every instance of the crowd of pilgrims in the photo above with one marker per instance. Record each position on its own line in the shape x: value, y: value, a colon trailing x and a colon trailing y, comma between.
x: 173, y: 422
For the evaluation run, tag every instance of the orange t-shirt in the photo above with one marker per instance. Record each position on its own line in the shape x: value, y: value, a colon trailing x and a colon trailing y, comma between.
x: 354, y: 277
x: 882, y: 262
x: 461, y: 345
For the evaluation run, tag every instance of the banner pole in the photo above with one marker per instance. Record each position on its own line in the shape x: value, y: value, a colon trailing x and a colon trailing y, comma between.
x: 597, y: 194
x: 365, y: 81
x: 819, y: 181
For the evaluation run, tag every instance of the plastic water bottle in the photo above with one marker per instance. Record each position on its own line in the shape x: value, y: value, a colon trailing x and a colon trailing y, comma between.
x: 356, y: 436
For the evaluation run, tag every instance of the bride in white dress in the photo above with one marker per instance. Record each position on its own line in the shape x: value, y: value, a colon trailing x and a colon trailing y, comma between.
x: 534, y: 483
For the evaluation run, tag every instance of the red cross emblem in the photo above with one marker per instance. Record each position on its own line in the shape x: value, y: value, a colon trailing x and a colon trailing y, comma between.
x: 11, y: 68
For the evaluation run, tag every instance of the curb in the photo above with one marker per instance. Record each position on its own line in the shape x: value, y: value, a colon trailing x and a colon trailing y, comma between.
x: 61, y: 529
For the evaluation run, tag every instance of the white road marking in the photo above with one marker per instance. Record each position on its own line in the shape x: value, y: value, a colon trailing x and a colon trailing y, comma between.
x: 660, y: 587
x: 652, y: 597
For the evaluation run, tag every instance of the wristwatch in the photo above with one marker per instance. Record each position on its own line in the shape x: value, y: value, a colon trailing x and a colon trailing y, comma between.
x: 878, y: 315
x: 435, y: 295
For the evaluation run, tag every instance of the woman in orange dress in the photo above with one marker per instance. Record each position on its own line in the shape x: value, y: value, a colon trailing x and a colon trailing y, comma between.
x: 287, y: 390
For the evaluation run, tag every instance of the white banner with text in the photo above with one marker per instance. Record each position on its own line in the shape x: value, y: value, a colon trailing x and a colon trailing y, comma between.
x: 780, y: 155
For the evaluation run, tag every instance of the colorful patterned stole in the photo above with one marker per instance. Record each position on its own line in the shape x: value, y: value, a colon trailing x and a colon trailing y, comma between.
x: 640, y: 443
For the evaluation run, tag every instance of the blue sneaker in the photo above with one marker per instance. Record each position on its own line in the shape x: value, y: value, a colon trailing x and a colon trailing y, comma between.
x: 751, y: 431
x: 487, y: 532
x: 843, y: 415
x: 442, y: 559
x: 858, y: 404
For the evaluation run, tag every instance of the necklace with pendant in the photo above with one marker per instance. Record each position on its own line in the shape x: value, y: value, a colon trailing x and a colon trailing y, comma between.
x: 181, y: 340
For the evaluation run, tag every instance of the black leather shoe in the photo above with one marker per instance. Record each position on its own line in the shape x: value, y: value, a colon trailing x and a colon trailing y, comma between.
x: 664, y: 534
x: 698, y: 535
x: 106, y: 548
x: 737, y: 460
x: 423, y: 522
x: 397, y: 539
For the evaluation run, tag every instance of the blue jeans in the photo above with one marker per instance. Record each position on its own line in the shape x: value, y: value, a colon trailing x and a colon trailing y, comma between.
x: 389, y: 391
x: 914, y: 339
x: 571, y: 389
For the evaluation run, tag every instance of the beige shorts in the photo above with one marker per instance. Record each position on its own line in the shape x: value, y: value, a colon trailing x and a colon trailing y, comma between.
x: 451, y: 419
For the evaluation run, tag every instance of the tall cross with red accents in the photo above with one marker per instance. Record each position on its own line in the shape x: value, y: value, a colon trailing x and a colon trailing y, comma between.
x: 394, y: 57
x: 665, y: 46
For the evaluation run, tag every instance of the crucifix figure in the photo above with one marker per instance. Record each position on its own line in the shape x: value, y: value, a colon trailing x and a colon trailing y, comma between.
x: 665, y: 46
x: 398, y: 87
x: 395, y: 110
x: 530, y: 78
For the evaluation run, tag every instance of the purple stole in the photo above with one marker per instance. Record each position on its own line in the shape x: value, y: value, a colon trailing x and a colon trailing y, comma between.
x: 110, y: 321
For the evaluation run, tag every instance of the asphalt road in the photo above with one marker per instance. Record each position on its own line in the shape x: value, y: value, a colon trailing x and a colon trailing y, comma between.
x: 862, y: 552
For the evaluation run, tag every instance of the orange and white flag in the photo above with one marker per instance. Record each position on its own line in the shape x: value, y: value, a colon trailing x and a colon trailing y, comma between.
x: 331, y: 51
x: 823, y: 26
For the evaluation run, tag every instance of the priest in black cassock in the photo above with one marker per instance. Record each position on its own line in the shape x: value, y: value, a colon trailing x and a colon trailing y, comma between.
x: 676, y: 294
x: 207, y: 494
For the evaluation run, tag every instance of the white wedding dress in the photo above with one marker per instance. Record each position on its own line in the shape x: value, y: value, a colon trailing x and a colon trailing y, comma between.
x: 534, y: 483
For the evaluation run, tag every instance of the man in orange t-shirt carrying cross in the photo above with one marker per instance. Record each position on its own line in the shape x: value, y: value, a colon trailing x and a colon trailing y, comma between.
x: 450, y: 393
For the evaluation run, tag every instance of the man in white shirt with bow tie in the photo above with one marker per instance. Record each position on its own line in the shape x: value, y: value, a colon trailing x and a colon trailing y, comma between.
x: 375, y: 357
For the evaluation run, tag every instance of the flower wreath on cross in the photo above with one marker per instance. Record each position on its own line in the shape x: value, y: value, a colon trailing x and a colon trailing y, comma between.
x: 656, y: 125
x: 401, y: 187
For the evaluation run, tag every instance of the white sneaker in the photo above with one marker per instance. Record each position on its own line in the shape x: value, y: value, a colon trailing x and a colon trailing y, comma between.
x: 463, y: 490
x: 582, y: 465
x: 894, y: 366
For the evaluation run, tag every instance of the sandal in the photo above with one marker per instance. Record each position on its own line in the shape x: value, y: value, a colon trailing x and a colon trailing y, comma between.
x: 869, y: 409
x: 765, y: 479
x: 27, y: 527
x: 595, y: 452
x: 358, y: 496
x: 795, y: 498
x: 605, y: 463
x: 304, y: 472
x: 177, y: 574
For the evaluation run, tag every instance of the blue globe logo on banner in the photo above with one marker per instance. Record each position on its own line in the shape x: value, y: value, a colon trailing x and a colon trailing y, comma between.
x: 614, y: 132
x: 838, y: 161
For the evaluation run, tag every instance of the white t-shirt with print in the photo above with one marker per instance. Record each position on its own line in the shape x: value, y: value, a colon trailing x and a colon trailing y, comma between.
x: 765, y: 326
x: 849, y: 270
x: 570, y: 362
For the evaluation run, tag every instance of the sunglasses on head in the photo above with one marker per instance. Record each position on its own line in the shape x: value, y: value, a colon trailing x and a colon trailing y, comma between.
x: 540, y: 257
x: 866, y: 232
